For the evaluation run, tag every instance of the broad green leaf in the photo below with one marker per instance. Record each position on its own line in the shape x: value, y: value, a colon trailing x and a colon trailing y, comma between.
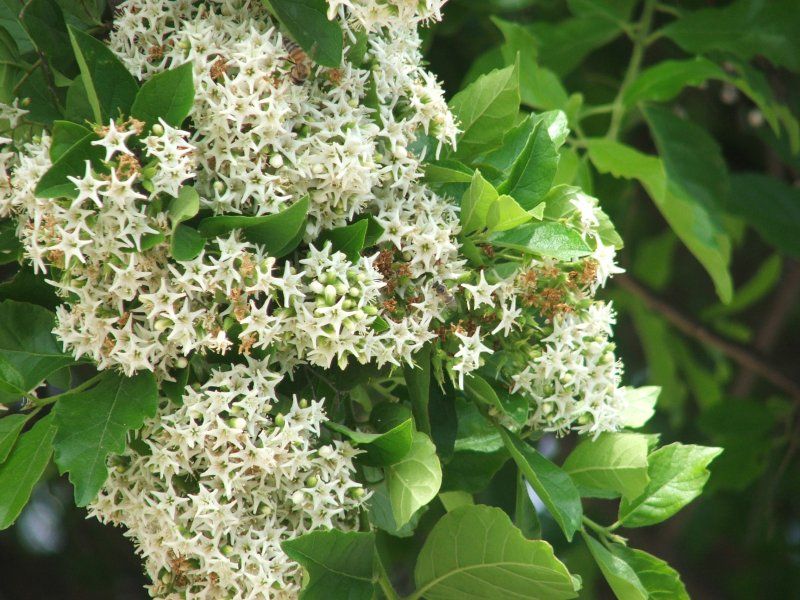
x: 540, y: 88
x: 339, y: 564
x: 29, y: 352
x: 185, y: 206
x: 475, y: 432
x: 348, y: 240
x: 447, y: 171
x: 276, y: 232
x: 551, y: 484
x: 696, y: 224
x: 72, y: 163
x: 381, y: 448
x: 661, y: 581
x: 501, y: 159
x: 475, y: 553
x: 677, y: 475
x: 615, y: 10
x: 618, y: 573
x: 307, y: 22
x: 533, y: 171
x: 525, y: 516
x: 505, y: 213
x: 415, y: 480
x: 548, y: 239
x: 770, y: 206
x: 472, y: 471
x: 95, y: 422
x: 665, y: 80
x: 745, y: 28
x: 44, y: 22
x: 418, y: 384
x: 26, y: 286
x: 374, y: 232
x: 10, y: 428
x: 615, y: 462
x: 167, y: 95
x: 382, y: 517
x: 563, y: 45
x: 23, y: 468
x: 186, y: 243
x: 639, y: 406
x: 110, y: 88
x: 454, y: 500
x: 486, y: 109
x: 65, y: 135
x: 476, y: 202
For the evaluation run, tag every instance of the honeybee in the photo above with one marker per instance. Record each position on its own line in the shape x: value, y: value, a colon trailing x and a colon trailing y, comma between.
x: 445, y: 295
x: 301, y: 64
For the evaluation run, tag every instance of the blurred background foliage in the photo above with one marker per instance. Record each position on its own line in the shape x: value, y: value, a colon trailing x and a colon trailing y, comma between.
x: 684, y: 120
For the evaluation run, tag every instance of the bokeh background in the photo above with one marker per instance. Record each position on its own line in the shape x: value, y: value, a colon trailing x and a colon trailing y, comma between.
x: 728, y: 372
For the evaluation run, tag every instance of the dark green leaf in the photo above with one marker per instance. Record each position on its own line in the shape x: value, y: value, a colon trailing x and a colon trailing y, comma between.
x: 23, y: 468
x: 473, y: 471
x: 475, y: 553
x: 381, y: 448
x: 65, y: 135
x: 307, y: 22
x: 552, y: 485
x: 525, y: 517
x: 95, y: 422
x: 339, y: 564
x: 665, y: 80
x: 167, y: 95
x: 29, y: 287
x: 564, y: 45
x: 186, y: 243
x: 486, y: 109
x: 770, y: 206
x: 29, y: 353
x: 109, y: 87
x: 10, y: 428
x: 479, y: 390
x: 677, y: 475
x: 348, y: 239
x: 418, y: 384
x: 54, y: 183
x: 11, y: 249
x: 380, y: 514
x: 44, y: 22
x: 548, y: 239
x: 532, y: 173
x: 745, y: 28
x: 374, y: 232
x: 661, y: 581
x: 476, y: 202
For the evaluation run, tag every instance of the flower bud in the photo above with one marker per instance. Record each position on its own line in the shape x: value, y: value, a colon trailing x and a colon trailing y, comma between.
x: 330, y: 295
x: 157, y: 129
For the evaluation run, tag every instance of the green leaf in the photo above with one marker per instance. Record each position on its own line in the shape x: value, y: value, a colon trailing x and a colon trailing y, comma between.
x: 44, y: 22
x: 695, y: 223
x: 348, y: 240
x: 381, y: 516
x: 665, y: 80
x: 186, y: 243
x: 525, y: 516
x: 339, y: 564
x: 745, y: 28
x: 110, y: 88
x: 29, y: 352
x: 95, y: 422
x: 618, y: 573
x: 11, y: 250
x: 10, y: 428
x: 415, y: 480
x: 381, y: 448
x: 54, y: 183
x: 475, y: 552
x: 614, y: 10
x: 548, y: 239
x: 275, y: 232
x: 661, y: 581
x: 473, y: 471
x: 476, y: 202
x: 486, y: 109
x: 454, y: 500
x: 307, y: 22
x: 551, y: 484
x: 614, y: 462
x: 167, y: 95
x: 770, y: 206
x: 447, y: 171
x: 677, y: 475
x: 640, y: 405
x: 533, y: 171
x: 418, y: 384
x: 477, y: 389
x: 23, y: 468
x: 563, y: 46
x: 65, y: 135
x: 185, y: 206
x: 540, y: 88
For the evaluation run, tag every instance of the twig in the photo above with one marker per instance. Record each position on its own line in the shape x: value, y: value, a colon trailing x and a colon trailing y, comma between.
x: 744, y: 357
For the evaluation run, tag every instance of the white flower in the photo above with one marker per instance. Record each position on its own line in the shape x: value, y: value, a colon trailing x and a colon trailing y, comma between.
x: 469, y: 354
x: 604, y: 256
x: 114, y: 140
x: 481, y: 293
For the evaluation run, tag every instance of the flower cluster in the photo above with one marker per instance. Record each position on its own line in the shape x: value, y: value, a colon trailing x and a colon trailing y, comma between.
x: 216, y: 484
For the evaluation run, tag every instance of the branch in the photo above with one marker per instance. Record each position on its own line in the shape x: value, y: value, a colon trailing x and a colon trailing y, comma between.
x: 691, y: 328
